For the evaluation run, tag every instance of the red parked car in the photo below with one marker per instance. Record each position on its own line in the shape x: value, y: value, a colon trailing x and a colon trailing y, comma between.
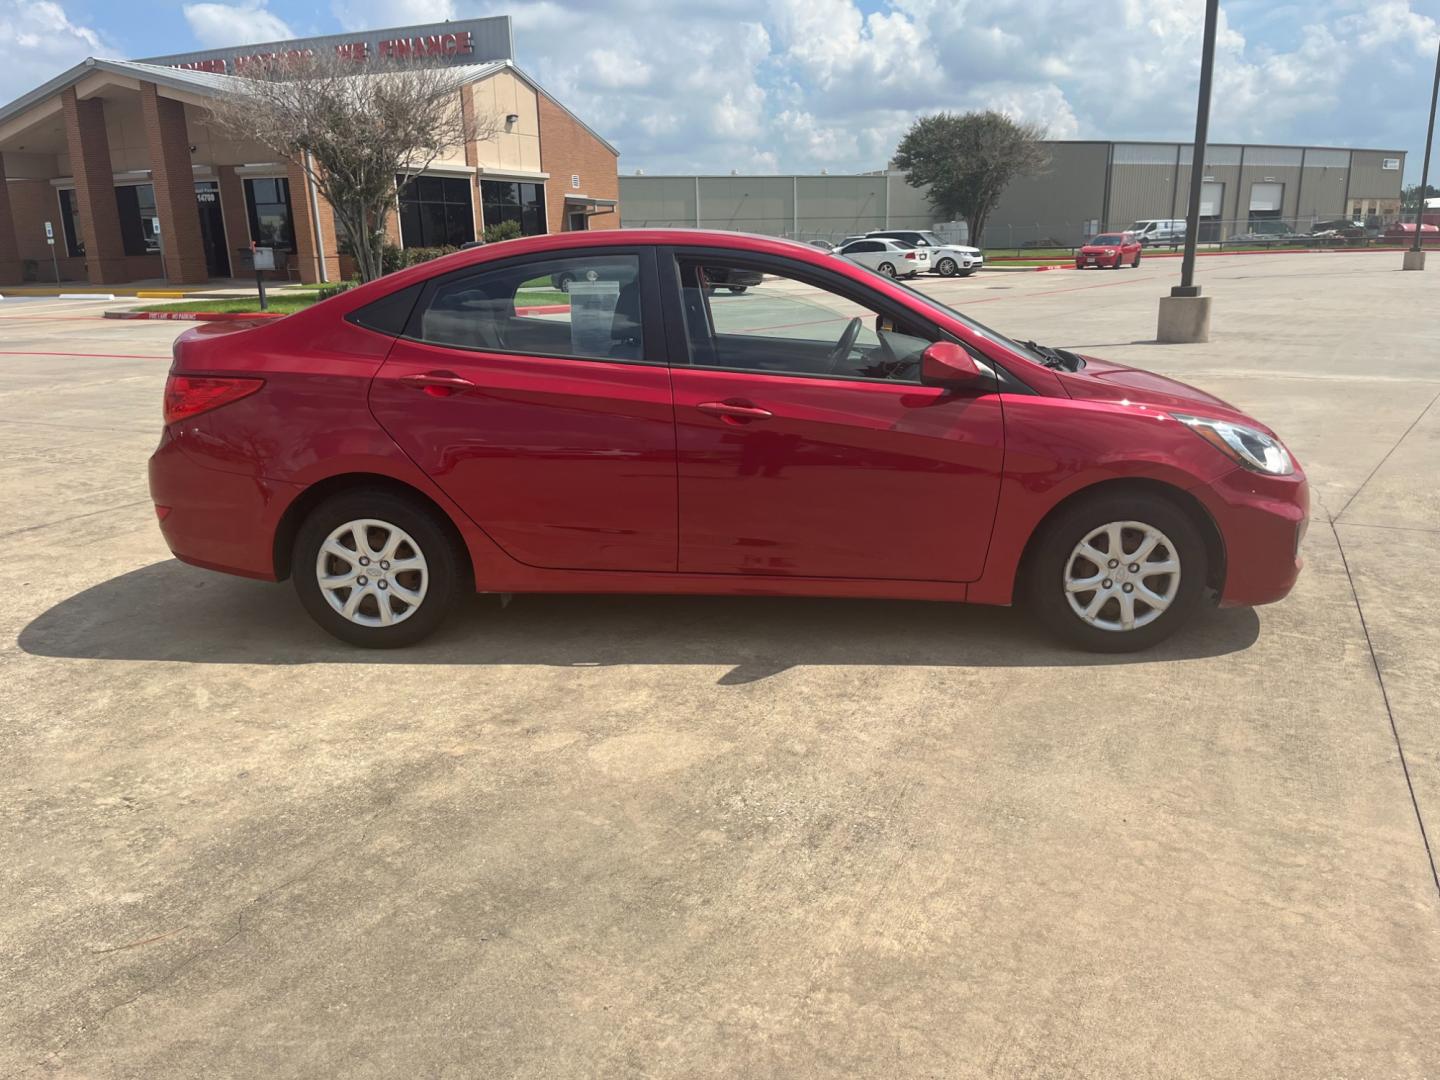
x: 828, y: 432
x: 1109, y: 249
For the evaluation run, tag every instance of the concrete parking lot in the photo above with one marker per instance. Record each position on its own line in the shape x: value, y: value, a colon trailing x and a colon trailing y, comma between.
x: 693, y: 837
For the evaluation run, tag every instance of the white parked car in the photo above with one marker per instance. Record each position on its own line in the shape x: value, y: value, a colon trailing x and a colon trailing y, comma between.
x: 893, y: 258
x: 946, y: 259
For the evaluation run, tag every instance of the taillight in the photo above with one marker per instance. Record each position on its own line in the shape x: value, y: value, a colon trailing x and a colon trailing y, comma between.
x: 190, y: 395
x: 910, y: 255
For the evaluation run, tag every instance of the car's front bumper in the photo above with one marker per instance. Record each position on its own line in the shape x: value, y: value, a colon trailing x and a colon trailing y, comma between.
x: 1262, y: 520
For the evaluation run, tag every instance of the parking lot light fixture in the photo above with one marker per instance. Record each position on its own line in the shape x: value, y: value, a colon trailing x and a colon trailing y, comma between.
x: 1415, y: 257
x: 1185, y: 314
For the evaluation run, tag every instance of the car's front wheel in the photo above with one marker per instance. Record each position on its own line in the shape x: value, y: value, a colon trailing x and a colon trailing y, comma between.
x: 946, y: 267
x: 1135, y: 262
x: 1117, y: 573
x: 375, y: 569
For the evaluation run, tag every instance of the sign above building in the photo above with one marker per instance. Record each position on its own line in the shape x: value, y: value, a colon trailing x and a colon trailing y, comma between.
x: 464, y: 41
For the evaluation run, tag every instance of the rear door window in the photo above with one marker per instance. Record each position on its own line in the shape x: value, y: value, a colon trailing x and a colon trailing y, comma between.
x: 582, y: 306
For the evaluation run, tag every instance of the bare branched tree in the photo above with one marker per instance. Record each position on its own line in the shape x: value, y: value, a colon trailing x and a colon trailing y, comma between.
x: 357, y: 133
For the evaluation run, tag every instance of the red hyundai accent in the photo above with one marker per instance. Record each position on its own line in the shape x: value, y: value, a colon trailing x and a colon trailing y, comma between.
x: 1109, y: 249
x: 826, y: 432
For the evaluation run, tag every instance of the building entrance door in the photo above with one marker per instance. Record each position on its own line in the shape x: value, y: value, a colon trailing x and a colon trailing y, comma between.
x: 212, y: 228
x: 579, y: 221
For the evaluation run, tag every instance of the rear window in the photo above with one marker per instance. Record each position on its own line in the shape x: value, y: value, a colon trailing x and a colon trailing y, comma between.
x: 586, y: 307
x: 389, y: 314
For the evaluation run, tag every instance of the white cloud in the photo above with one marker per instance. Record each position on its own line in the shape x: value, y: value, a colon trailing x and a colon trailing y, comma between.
x: 38, y: 41
x: 218, y: 25
x: 375, y: 14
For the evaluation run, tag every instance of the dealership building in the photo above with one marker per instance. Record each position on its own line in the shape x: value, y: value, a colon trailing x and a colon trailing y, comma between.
x: 1088, y: 187
x: 114, y: 171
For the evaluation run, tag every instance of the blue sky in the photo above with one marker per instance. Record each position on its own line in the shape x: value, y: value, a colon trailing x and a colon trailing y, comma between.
x: 780, y: 85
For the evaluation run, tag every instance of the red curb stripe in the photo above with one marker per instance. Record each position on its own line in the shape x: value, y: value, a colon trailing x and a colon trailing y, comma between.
x: 196, y: 316
x: 543, y: 309
x: 89, y: 355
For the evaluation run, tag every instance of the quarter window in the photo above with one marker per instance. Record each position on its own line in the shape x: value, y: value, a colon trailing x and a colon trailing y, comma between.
x: 512, y: 200
x: 435, y: 211
x: 787, y: 326
x: 582, y: 307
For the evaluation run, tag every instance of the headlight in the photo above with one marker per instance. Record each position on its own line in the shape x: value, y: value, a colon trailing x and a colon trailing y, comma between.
x: 1243, y: 445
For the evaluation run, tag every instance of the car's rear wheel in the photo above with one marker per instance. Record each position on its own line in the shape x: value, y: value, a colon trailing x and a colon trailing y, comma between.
x: 1117, y: 573
x: 376, y: 570
x: 888, y: 269
x: 563, y: 281
x: 736, y: 290
x: 1135, y: 261
x: 946, y: 267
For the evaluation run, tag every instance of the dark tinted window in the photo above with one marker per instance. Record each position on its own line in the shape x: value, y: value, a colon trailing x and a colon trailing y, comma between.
x: 862, y: 246
x: 390, y: 313
x: 74, y: 242
x: 267, y: 201
x: 435, y: 211
x: 586, y: 307
x: 136, y: 204
x: 514, y: 200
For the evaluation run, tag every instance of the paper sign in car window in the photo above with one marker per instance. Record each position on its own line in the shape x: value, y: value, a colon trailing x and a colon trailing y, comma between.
x: 592, y: 316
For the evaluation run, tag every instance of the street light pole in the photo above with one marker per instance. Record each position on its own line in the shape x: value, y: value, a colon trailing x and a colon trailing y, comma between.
x: 1187, y: 286
x: 1410, y: 263
x: 1185, y: 314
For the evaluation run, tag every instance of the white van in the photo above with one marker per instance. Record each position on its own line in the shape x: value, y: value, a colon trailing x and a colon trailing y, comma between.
x: 1151, y: 231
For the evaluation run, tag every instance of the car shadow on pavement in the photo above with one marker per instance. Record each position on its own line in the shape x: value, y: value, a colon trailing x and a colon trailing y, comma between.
x: 173, y: 612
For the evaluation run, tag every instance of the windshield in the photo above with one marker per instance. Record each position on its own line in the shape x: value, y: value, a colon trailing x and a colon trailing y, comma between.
x: 902, y: 244
x: 1108, y: 238
x: 970, y: 324
x: 931, y: 239
x: 1139, y: 226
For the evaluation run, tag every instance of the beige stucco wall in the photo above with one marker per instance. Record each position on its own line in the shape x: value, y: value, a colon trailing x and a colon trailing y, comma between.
x: 516, y: 146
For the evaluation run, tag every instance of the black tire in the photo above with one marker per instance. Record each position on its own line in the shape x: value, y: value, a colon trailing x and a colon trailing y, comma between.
x: 445, y: 565
x: 1050, y: 556
x: 736, y: 290
x: 947, y: 267
x: 1135, y: 263
x: 563, y: 280
x: 888, y: 269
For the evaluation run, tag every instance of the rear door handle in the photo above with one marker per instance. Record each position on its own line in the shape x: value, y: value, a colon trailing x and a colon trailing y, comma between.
x: 736, y: 410
x: 437, y: 383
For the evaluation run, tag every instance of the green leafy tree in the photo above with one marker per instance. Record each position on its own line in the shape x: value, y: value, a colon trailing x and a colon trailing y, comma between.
x: 968, y: 160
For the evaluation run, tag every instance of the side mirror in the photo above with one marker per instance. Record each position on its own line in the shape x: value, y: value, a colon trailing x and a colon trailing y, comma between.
x: 947, y: 364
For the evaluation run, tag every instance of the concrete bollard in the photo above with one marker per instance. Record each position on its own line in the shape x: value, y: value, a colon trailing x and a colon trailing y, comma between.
x: 1414, y: 260
x: 1183, y: 320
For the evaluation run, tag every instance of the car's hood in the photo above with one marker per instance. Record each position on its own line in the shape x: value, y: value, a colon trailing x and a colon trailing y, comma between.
x: 961, y: 248
x: 1095, y: 249
x: 1101, y: 380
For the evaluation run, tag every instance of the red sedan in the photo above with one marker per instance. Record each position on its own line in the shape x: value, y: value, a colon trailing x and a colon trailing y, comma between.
x: 830, y: 432
x: 1109, y: 249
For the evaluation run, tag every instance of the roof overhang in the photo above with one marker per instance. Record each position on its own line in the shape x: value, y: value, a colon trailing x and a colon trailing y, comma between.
x: 589, y: 205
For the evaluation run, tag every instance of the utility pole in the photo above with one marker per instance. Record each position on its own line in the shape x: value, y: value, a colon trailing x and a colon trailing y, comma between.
x: 1415, y: 257
x: 1185, y: 314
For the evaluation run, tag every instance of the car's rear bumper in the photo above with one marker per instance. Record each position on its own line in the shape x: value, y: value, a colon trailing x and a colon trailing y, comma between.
x: 1262, y: 520
x: 219, y: 520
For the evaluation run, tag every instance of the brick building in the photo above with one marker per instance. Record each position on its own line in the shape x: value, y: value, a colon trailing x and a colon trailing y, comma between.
x: 119, y: 162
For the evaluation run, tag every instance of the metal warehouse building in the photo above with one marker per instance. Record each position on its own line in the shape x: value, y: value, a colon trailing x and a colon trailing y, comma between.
x: 1089, y: 187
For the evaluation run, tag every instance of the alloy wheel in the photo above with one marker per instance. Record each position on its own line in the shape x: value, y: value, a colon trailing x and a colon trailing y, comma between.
x: 1122, y: 576
x: 372, y: 572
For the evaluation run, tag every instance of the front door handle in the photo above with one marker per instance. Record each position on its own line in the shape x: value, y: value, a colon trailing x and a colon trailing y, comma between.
x: 734, y: 410
x: 437, y: 383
